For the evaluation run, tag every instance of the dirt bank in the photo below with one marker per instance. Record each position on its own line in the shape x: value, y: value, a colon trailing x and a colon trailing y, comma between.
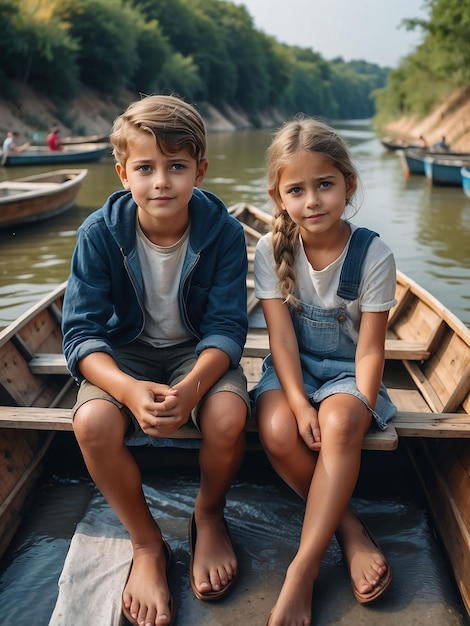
x: 451, y: 119
x: 91, y: 113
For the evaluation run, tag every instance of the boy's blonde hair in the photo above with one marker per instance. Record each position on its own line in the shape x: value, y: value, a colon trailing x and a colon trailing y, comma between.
x: 175, y: 124
x: 300, y: 134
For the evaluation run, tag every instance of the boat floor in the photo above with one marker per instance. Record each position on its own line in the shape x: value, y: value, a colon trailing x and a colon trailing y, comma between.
x: 265, y: 522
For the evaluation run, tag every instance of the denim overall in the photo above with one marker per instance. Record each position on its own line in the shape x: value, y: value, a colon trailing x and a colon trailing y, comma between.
x: 327, y: 352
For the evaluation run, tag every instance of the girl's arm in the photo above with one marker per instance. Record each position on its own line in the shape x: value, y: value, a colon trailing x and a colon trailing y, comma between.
x: 285, y: 353
x: 370, y: 354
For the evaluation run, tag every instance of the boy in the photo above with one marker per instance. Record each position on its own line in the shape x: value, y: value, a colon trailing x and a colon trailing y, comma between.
x: 154, y: 324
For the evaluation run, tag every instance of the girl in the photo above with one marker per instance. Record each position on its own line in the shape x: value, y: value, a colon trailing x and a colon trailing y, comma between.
x: 326, y: 287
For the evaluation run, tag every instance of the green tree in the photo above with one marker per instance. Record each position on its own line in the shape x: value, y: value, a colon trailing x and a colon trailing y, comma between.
x: 105, y: 31
x: 39, y: 51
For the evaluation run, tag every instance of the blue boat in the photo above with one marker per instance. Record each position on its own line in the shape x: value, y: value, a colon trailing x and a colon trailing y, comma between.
x: 445, y: 171
x: 41, y: 155
x: 412, y: 161
x: 465, y: 174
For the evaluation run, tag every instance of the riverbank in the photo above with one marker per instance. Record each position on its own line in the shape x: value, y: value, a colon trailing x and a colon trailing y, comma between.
x: 93, y: 113
x: 451, y: 119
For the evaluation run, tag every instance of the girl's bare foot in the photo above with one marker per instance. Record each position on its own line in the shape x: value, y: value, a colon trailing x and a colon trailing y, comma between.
x: 368, y: 568
x: 294, y: 604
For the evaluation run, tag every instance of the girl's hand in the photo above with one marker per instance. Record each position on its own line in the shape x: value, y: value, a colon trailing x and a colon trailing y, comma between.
x: 309, y: 428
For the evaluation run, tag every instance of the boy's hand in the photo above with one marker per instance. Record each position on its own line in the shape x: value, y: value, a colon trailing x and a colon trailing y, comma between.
x: 155, y: 407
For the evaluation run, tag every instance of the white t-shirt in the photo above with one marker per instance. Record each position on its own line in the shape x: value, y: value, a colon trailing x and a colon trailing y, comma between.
x: 319, y: 287
x: 7, y: 144
x: 161, y: 270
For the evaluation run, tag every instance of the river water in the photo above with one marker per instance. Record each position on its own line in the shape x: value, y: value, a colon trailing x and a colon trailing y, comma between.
x: 429, y: 231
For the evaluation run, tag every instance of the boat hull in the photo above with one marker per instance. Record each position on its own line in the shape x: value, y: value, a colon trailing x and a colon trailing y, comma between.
x: 412, y: 162
x: 465, y: 177
x: 444, y: 172
x: 83, y: 153
x: 430, y: 379
x: 39, y: 197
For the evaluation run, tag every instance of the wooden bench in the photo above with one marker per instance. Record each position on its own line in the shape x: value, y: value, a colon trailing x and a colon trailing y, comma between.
x: 59, y: 419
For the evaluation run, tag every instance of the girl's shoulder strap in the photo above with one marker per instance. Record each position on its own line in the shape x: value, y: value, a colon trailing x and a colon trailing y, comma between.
x: 351, y: 272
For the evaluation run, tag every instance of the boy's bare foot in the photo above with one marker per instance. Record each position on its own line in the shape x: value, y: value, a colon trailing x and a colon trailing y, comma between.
x: 146, y: 599
x: 213, y: 566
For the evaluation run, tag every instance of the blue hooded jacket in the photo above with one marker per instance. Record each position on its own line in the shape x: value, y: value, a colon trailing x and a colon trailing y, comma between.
x: 103, y: 303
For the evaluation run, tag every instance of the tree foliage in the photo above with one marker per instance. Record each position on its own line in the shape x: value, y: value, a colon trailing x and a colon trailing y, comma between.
x: 437, y: 66
x: 202, y: 50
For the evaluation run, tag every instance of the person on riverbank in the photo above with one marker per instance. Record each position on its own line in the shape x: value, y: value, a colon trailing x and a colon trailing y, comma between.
x: 326, y: 287
x: 154, y: 323
x: 53, y: 139
x: 441, y: 146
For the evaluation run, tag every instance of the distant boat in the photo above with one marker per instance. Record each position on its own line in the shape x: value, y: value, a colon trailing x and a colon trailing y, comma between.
x: 465, y: 175
x: 396, y: 144
x: 38, y: 197
x: 41, y: 155
x: 445, y: 171
x: 40, y: 139
x: 412, y: 161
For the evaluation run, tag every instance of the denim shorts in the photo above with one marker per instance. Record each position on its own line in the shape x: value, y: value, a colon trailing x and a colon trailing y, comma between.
x: 161, y: 365
x: 323, y: 378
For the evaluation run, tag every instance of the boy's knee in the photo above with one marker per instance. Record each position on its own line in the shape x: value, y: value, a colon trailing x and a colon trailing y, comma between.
x: 97, y: 423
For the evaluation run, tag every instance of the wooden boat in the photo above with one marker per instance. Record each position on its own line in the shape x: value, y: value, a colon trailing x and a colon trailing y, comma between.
x: 465, y: 176
x: 41, y: 155
x: 427, y: 373
x: 38, y: 197
x: 445, y: 171
x: 392, y: 145
x: 412, y: 161
x: 40, y: 139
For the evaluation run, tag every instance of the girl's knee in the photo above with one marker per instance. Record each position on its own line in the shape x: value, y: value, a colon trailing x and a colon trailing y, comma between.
x: 278, y: 433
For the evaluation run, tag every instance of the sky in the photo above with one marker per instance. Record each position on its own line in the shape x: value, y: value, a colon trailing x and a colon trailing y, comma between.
x: 352, y: 29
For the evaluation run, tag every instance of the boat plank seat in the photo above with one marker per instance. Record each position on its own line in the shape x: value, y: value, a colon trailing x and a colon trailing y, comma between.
x: 59, y: 419
x: 404, y: 424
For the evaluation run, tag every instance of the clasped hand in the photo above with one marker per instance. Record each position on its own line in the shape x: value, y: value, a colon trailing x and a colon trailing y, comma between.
x: 159, y: 409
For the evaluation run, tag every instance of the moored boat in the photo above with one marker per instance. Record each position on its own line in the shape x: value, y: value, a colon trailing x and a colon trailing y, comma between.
x: 41, y: 155
x: 445, y: 171
x: 427, y: 373
x: 412, y: 161
x: 38, y: 197
x: 392, y: 145
x: 465, y: 177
